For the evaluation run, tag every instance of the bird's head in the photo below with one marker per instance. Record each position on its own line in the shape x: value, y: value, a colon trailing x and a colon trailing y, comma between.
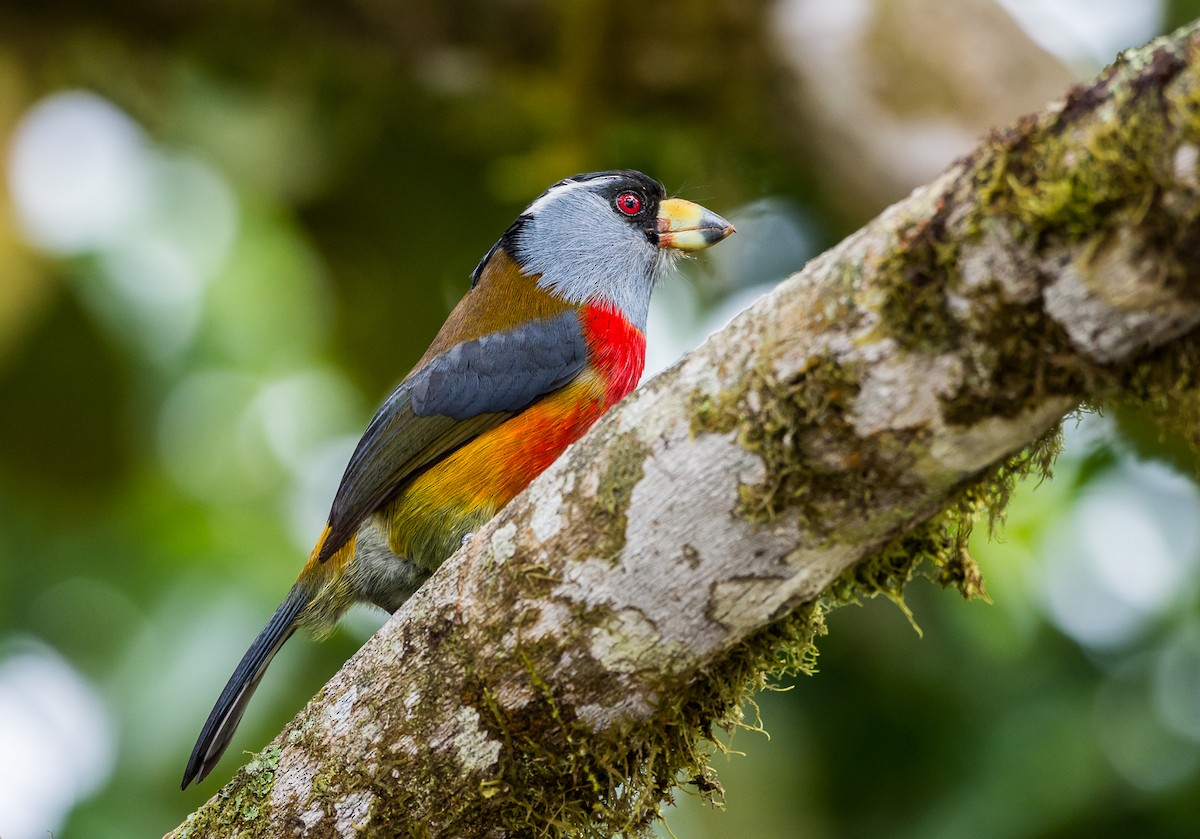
x: 608, y: 237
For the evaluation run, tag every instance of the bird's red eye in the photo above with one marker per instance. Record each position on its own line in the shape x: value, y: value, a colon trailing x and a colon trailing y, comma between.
x: 629, y: 203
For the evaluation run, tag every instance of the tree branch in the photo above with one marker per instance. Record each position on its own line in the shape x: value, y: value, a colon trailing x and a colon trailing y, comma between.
x: 559, y: 673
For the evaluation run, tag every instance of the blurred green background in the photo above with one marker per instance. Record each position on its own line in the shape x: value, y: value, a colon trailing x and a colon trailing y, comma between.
x: 227, y: 229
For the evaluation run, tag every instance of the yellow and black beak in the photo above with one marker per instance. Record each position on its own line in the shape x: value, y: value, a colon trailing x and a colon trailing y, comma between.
x: 689, y: 227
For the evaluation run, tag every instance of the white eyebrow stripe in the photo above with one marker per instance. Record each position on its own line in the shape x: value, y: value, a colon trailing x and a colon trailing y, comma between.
x: 557, y: 190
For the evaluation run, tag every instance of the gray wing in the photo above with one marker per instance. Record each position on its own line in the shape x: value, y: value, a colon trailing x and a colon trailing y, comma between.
x: 458, y: 395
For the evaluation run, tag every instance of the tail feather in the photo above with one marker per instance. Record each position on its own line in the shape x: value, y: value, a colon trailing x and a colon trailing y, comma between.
x: 227, y: 713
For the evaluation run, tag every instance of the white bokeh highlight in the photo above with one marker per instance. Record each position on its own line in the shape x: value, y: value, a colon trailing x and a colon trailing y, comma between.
x: 87, y: 182
x: 1123, y: 555
x: 77, y: 171
x: 59, y: 743
x: 1087, y: 32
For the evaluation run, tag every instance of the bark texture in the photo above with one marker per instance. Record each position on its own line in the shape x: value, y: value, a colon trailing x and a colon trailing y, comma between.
x: 561, y: 673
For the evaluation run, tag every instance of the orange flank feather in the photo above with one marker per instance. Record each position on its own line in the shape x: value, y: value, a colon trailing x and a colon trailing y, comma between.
x: 475, y: 482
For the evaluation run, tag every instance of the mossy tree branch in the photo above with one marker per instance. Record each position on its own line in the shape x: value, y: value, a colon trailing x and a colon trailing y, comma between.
x: 564, y: 671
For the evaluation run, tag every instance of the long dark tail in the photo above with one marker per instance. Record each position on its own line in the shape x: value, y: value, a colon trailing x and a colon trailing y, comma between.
x: 227, y: 713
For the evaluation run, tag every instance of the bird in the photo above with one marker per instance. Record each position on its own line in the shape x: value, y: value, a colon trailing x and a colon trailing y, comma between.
x: 549, y: 336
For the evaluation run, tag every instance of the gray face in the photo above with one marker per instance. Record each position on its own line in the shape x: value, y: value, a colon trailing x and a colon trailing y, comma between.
x: 587, y: 249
